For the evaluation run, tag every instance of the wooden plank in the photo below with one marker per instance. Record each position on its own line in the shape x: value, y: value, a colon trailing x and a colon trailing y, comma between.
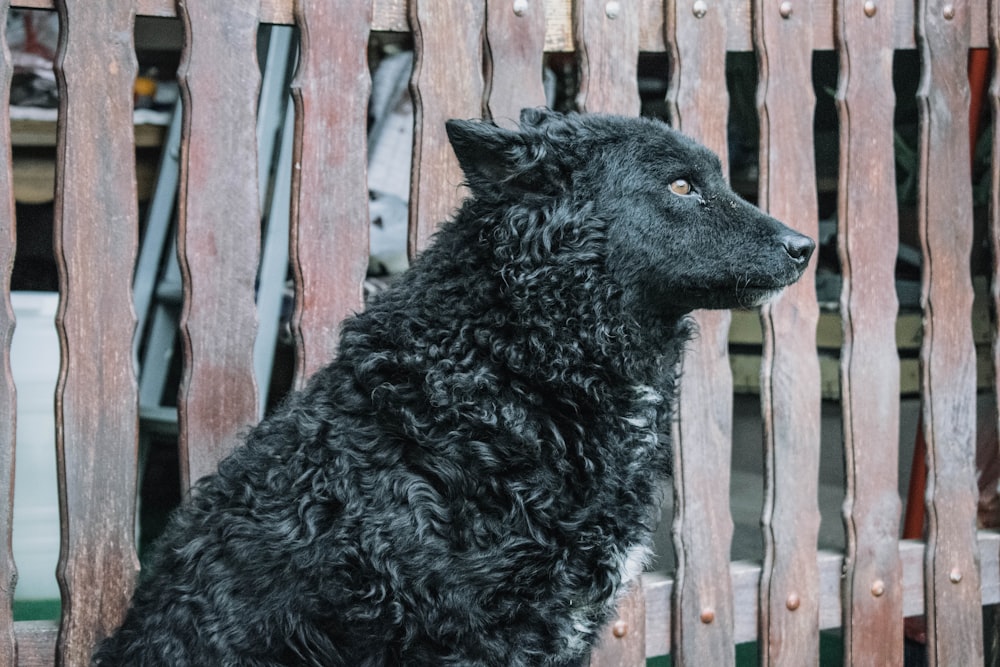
x: 8, y: 400
x: 96, y: 238
x: 790, y: 377
x: 623, y: 641
x: 867, y: 233
x: 745, y: 577
x: 515, y: 47
x: 607, y: 47
x: 948, y: 357
x: 218, y: 240
x: 447, y: 83
x: 703, y: 526
x: 36, y: 643
x: 329, y: 233
x: 391, y: 16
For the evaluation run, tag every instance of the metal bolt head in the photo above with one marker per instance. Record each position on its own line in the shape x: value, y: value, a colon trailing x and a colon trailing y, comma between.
x: 792, y: 602
x: 707, y: 615
x: 878, y: 588
x: 955, y: 576
x: 613, y: 9
x: 948, y: 11
x: 699, y: 8
x: 619, y: 629
x: 870, y: 8
x: 520, y: 7
x: 785, y: 9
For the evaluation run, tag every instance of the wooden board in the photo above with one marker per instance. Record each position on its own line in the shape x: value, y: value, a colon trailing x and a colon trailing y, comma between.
x: 447, y: 82
x: 607, y: 47
x: 8, y: 404
x: 96, y: 239
x: 329, y: 233
x: 703, y: 527
x: 218, y: 240
x: 790, y: 377
x: 515, y: 47
x: 948, y: 353
x: 867, y: 232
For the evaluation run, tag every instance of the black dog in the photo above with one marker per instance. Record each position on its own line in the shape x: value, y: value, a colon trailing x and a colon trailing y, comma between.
x: 473, y: 480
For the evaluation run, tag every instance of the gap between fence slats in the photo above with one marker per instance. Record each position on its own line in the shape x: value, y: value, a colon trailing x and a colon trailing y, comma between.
x: 993, y: 238
x: 702, y: 614
x: 948, y: 358
x: 790, y: 379
x: 7, y: 393
x: 218, y: 234
x: 867, y: 235
x: 515, y: 49
x: 447, y: 82
x: 96, y: 239
x: 329, y: 238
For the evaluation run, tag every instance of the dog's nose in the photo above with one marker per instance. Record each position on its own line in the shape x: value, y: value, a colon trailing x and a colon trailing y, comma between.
x: 799, y: 248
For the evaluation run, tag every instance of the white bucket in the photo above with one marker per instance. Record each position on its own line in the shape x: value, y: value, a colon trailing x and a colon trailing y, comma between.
x: 34, y: 360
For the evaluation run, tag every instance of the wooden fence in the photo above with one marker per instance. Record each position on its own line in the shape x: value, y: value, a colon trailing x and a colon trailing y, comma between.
x: 698, y: 613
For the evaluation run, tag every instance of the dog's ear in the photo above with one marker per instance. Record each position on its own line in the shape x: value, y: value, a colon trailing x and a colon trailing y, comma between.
x: 497, y: 161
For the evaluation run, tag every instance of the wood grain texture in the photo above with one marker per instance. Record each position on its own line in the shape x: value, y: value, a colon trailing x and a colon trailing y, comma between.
x: 867, y: 234
x: 391, y: 16
x: 790, y: 378
x: 218, y: 241
x: 607, y: 47
x: 623, y: 641
x: 515, y: 47
x: 8, y: 400
x: 948, y: 357
x: 329, y: 233
x: 96, y: 238
x: 447, y: 82
x: 703, y: 525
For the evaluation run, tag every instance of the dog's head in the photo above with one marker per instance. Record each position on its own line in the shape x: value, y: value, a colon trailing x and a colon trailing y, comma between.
x: 676, y: 235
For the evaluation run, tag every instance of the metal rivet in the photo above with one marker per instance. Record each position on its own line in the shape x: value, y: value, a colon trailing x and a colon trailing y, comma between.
x: 613, y: 9
x: 955, y: 576
x: 878, y: 588
x: 870, y: 9
x: 792, y: 602
x: 619, y: 629
x: 520, y: 7
x: 707, y: 615
x: 699, y: 8
x: 785, y: 9
x: 948, y: 11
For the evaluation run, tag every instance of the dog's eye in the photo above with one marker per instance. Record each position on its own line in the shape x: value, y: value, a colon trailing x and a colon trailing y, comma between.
x: 682, y: 187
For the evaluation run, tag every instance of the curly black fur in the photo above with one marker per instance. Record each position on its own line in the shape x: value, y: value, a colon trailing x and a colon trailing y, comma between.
x: 473, y: 480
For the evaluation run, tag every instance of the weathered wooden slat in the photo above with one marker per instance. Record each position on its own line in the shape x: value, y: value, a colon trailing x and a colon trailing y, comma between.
x: 8, y: 401
x: 391, y: 16
x: 867, y: 232
x: 447, y: 82
x: 96, y: 238
x: 515, y: 47
x: 948, y: 357
x: 790, y: 378
x: 218, y: 230
x: 329, y: 234
x: 36, y: 643
x: 607, y: 46
x: 703, y: 527
x: 623, y: 641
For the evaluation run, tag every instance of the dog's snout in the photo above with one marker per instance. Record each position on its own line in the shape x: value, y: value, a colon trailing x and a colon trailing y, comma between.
x: 799, y: 248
